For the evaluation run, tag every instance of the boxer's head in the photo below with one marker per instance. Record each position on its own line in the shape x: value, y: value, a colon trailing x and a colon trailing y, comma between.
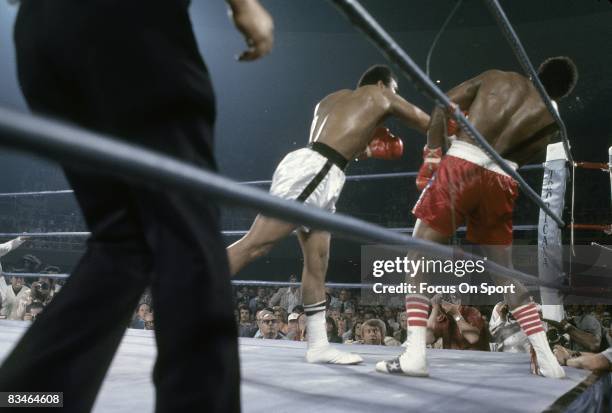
x: 559, y: 76
x: 379, y: 75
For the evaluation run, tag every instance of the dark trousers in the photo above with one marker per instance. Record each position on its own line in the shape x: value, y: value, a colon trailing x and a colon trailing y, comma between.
x: 130, y: 68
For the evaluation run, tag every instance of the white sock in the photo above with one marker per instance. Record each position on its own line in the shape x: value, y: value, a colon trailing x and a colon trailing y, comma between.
x: 417, y: 308
x: 316, y: 330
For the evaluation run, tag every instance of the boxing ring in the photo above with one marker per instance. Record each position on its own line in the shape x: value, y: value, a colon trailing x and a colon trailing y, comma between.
x: 275, y: 377
x: 274, y: 373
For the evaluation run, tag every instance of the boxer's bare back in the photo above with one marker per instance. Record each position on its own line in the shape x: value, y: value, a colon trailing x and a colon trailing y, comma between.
x: 508, y: 111
x: 345, y: 120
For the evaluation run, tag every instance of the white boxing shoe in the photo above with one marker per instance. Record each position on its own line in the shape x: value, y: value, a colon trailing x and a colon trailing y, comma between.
x: 328, y: 354
x: 408, y: 363
x: 546, y: 364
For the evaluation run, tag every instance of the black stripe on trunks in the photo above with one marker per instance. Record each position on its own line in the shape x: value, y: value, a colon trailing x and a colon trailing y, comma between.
x: 312, y: 185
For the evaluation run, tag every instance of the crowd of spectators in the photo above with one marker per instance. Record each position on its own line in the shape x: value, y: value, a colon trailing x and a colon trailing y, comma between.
x: 24, y: 298
x: 270, y: 313
x: 277, y: 313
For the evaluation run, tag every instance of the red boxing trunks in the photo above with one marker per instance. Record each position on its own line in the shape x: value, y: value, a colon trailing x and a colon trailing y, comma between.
x: 481, y: 192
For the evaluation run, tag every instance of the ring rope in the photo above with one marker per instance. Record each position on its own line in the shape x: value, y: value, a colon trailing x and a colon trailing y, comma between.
x: 353, y: 10
x: 366, y: 177
x: 75, y: 145
x: 405, y: 230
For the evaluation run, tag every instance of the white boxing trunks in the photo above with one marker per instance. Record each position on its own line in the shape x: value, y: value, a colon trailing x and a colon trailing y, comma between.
x: 313, y: 175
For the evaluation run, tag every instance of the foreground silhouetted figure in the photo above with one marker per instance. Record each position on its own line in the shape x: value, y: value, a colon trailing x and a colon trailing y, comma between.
x: 132, y: 69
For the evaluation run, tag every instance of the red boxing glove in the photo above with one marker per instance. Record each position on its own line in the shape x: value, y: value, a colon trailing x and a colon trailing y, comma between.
x: 431, y: 162
x: 385, y: 145
x: 451, y: 125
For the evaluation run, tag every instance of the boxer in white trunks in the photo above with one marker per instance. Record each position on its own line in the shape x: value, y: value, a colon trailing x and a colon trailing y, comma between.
x: 346, y: 124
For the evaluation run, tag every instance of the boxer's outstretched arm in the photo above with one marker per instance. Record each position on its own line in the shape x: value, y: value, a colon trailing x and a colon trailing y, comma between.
x: 411, y: 115
x: 463, y: 96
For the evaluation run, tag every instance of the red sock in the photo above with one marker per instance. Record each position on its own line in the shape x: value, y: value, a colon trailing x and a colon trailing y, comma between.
x: 417, y: 310
x: 528, y: 318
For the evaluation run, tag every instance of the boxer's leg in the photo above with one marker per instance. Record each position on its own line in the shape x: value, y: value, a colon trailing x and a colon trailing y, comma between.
x: 526, y: 313
x: 315, y: 248
x: 263, y: 234
x: 412, y: 361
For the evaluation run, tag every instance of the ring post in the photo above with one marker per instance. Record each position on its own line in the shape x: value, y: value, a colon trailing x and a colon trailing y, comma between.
x: 550, y: 252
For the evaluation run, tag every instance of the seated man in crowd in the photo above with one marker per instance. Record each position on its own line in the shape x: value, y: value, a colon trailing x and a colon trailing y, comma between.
x: 246, y: 326
x: 140, y: 317
x: 332, y: 330
x: 294, y: 332
x: 582, y: 360
x: 260, y: 300
x: 15, y: 298
x: 342, y: 302
x: 372, y: 332
x: 287, y: 297
x: 281, y: 316
x: 268, y: 326
x: 584, y: 329
x: 460, y: 327
x: 506, y: 333
x: 402, y: 334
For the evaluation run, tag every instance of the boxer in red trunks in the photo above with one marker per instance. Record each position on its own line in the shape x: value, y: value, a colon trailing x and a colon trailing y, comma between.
x: 469, y: 188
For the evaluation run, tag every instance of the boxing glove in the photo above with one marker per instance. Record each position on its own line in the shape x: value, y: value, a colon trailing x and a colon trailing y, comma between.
x: 384, y: 145
x: 431, y: 162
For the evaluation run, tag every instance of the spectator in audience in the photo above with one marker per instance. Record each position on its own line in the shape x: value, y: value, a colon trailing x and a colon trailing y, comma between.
x: 369, y: 314
x: 460, y: 327
x: 506, y: 333
x: 584, y: 329
x: 402, y: 334
x: 33, y: 310
x: 287, y: 297
x: 269, y: 327
x: 355, y: 332
x: 15, y: 298
x: 390, y: 322
x: 302, y: 326
x: 583, y: 360
x: 344, y: 301
x: 334, y: 313
x: 246, y: 326
x: 141, y: 313
x: 373, y: 331
x: 281, y: 316
x: 258, y: 317
x: 332, y: 331
x: 29, y: 264
x: 341, y: 323
x: 258, y: 300
x: 149, y: 322
x: 293, y: 327
x: 607, y: 332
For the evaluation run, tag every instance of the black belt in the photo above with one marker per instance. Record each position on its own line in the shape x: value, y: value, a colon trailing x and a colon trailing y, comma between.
x: 330, y: 153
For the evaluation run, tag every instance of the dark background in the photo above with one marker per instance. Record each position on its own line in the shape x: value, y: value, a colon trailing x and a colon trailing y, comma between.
x: 265, y: 108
